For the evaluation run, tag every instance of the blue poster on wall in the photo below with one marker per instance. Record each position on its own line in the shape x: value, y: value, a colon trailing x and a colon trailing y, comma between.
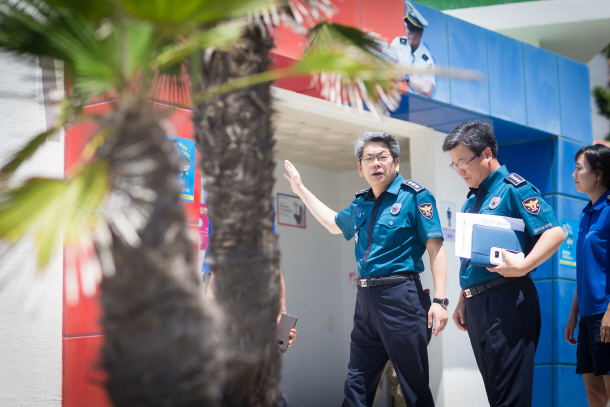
x: 186, y: 174
x: 567, y: 251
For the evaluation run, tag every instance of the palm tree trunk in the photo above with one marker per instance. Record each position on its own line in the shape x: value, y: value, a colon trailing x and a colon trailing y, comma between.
x: 158, y: 348
x: 235, y: 137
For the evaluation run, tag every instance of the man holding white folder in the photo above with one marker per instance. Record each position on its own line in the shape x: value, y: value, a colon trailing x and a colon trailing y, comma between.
x: 499, y: 306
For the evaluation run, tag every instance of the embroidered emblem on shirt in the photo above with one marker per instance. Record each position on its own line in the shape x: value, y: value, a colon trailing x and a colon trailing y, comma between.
x: 531, y: 205
x: 424, y: 57
x: 403, y: 41
x: 396, y: 208
x: 495, y: 201
x: 362, y: 192
x: 426, y: 210
x: 515, y: 179
x: 413, y: 185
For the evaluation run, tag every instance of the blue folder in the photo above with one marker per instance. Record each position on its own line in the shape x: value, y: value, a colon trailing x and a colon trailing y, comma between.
x: 486, y: 237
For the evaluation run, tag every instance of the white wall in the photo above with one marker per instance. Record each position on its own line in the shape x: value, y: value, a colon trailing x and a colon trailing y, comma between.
x: 30, y: 303
x: 319, y: 293
x: 598, y: 73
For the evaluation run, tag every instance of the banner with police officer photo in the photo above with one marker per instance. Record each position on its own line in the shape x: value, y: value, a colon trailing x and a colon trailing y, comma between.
x: 414, y: 47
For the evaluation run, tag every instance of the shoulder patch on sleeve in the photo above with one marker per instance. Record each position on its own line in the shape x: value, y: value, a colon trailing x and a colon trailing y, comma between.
x: 413, y: 185
x: 403, y: 40
x: 531, y: 205
x: 362, y: 192
x: 515, y: 179
x: 424, y: 57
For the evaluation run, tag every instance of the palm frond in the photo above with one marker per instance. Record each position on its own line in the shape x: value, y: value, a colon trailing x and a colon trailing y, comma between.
x: 220, y: 37
x: 49, y: 207
x: 92, y: 10
x: 99, y: 57
x: 192, y: 13
x: 26, y: 152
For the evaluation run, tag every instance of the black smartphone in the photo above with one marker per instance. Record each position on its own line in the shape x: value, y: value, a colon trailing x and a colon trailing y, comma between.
x: 287, y: 322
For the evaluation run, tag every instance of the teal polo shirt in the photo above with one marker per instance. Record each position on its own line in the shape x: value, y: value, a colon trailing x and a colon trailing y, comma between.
x: 510, y: 195
x: 403, y: 218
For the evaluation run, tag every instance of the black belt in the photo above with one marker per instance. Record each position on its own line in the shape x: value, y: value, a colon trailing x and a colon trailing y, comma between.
x: 481, y: 288
x: 390, y: 279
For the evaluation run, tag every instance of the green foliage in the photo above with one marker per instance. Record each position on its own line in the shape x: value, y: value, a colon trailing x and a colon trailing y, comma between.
x: 26, y: 152
x: 602, y: 100
x: 186, y: 14
x: 124, y: 47
x: 48, y: 207
x: 90, y: 10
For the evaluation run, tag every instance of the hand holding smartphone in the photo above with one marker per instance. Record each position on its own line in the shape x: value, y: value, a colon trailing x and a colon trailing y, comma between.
x: 495, y: 256
x: 287, y: 323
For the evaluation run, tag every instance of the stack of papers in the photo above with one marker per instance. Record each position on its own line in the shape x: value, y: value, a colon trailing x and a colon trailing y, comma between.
x: 465, y: 222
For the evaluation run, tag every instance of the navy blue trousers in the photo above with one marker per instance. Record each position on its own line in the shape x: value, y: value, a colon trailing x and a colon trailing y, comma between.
x: 504, y: 327
x: 390, y: 321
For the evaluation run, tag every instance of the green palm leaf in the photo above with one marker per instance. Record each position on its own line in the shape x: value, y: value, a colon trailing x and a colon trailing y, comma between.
x: 186, y: 14
x: 48, y: 208
x: 26, y: 152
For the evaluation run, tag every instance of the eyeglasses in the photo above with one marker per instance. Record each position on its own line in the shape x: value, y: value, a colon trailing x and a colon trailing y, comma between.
x: 370, y: 159
x: 462, y: 166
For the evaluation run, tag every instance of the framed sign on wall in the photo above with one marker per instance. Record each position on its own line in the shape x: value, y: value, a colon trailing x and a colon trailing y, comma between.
x: 291, y: 211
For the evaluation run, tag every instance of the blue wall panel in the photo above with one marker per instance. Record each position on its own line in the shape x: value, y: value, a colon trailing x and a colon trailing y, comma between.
x: 568, y: 209
x: 532, y: 160
x: 544, y: 353
x: 545, y: 270
x: 435, y: 39
x: 575, y: 100
x: 564, y: 153
x: 468, y: 50
x: 506, y: 78
x: 564, y: 294
x: 543, y: 386
x: 569, y: 388
x: 542, y: 89
x: 441, y: 115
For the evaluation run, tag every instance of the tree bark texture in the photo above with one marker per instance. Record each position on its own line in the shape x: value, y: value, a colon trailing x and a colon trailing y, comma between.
x: 158, y: 348
x: 235, y: 137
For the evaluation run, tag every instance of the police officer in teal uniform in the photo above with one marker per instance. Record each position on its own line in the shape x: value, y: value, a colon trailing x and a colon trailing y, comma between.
x: 393, y: 223
x: 498, y: 306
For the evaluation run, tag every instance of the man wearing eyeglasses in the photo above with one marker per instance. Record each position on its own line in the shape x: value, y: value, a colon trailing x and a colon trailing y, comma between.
x: 498, y: 306
x: 393, y: 223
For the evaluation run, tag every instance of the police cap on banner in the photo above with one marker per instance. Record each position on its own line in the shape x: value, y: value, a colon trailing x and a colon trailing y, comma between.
x: 413, y: 18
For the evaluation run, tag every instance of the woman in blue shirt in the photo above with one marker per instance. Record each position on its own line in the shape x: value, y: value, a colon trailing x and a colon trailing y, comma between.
x: 592, y: 296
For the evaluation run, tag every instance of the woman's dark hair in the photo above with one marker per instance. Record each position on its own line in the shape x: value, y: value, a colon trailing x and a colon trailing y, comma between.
x: 598, y: 158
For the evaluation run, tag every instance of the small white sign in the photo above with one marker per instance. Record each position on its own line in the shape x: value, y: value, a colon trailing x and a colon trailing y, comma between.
x: 291, y: 211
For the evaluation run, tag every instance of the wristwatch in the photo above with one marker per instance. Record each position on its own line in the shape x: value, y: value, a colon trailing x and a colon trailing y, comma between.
x: 443, y: 301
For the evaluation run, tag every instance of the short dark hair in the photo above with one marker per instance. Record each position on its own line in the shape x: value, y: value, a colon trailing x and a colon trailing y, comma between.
x: 598, y: 158
x: 412, y: 27
x: 372, y: 136
x: 476, y: 136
